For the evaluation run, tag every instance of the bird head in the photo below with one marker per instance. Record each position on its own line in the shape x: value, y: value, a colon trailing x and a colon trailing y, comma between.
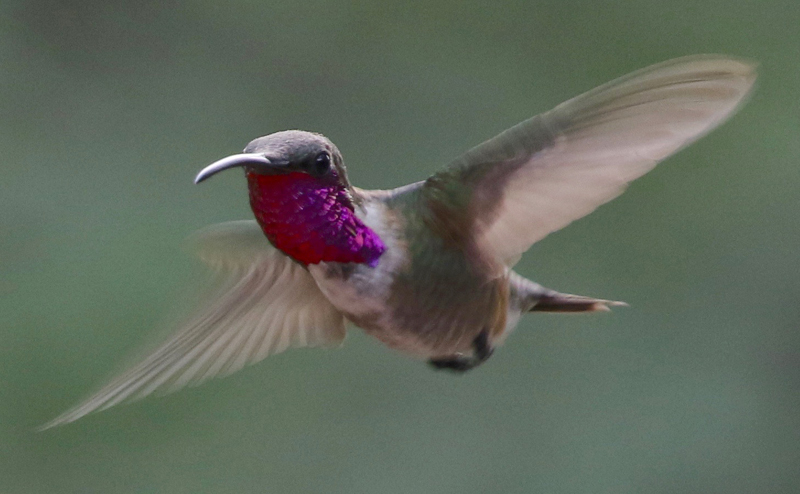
x: 289, y: 151
x: 301, y: 198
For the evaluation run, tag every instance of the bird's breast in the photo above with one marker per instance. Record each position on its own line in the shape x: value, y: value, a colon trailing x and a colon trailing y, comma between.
x: 361, y: 291
x: 421, y: 298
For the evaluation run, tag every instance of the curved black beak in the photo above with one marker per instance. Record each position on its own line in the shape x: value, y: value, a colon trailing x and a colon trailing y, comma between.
x: 246, y: 159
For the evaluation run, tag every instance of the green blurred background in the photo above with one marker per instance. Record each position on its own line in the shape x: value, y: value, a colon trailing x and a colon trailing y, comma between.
x: 108, y: 109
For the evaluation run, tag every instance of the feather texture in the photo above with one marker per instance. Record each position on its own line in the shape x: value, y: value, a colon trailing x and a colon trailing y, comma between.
x: 546, y: 172
x: 266, y: 303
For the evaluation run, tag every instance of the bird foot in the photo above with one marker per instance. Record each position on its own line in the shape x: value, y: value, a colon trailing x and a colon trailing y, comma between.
x: 462, y: 363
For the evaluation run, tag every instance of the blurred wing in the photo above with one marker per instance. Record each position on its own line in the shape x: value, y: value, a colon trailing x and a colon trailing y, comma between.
x: 546, y: 172
x: 266, y: 304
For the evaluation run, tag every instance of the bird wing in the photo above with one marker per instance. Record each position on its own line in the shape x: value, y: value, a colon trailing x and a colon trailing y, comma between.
x: 537, y: 177
x: 265, y: 304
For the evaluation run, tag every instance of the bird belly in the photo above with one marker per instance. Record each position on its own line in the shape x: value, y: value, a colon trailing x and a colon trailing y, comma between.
x: 363, y: 293
x: 421, y: 324
x: 429, y: 306
x: 364, y: 300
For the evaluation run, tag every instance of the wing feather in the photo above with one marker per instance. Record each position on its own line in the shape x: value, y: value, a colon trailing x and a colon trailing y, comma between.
x: 559, y: 166
x: 266, y: 303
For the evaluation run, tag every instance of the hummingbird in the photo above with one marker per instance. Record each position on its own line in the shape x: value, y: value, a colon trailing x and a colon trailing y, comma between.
x: 426, y: 268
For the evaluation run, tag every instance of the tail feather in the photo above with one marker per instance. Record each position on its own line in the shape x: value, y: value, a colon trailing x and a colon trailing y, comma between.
x: 562, y: 302
x: 529, y: 296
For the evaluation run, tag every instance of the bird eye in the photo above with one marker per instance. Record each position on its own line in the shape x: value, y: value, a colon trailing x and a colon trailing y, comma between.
x: 322, y: 163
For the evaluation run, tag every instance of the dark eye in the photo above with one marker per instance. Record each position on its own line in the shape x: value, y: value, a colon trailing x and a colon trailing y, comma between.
x: 322, y: 163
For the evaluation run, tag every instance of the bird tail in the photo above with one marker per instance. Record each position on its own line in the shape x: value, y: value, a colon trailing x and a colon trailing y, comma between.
x: 563, y: 302
x: 533, y: 297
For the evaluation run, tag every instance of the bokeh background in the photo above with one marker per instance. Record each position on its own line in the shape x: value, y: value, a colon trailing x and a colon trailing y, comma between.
x: 108, y: 109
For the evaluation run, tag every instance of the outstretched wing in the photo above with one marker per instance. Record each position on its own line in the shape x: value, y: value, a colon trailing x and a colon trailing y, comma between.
x: 546, y: 172
x: 266, y: 303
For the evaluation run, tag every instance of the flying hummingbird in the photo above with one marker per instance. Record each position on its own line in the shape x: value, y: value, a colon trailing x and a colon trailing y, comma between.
x: 425, y: 268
